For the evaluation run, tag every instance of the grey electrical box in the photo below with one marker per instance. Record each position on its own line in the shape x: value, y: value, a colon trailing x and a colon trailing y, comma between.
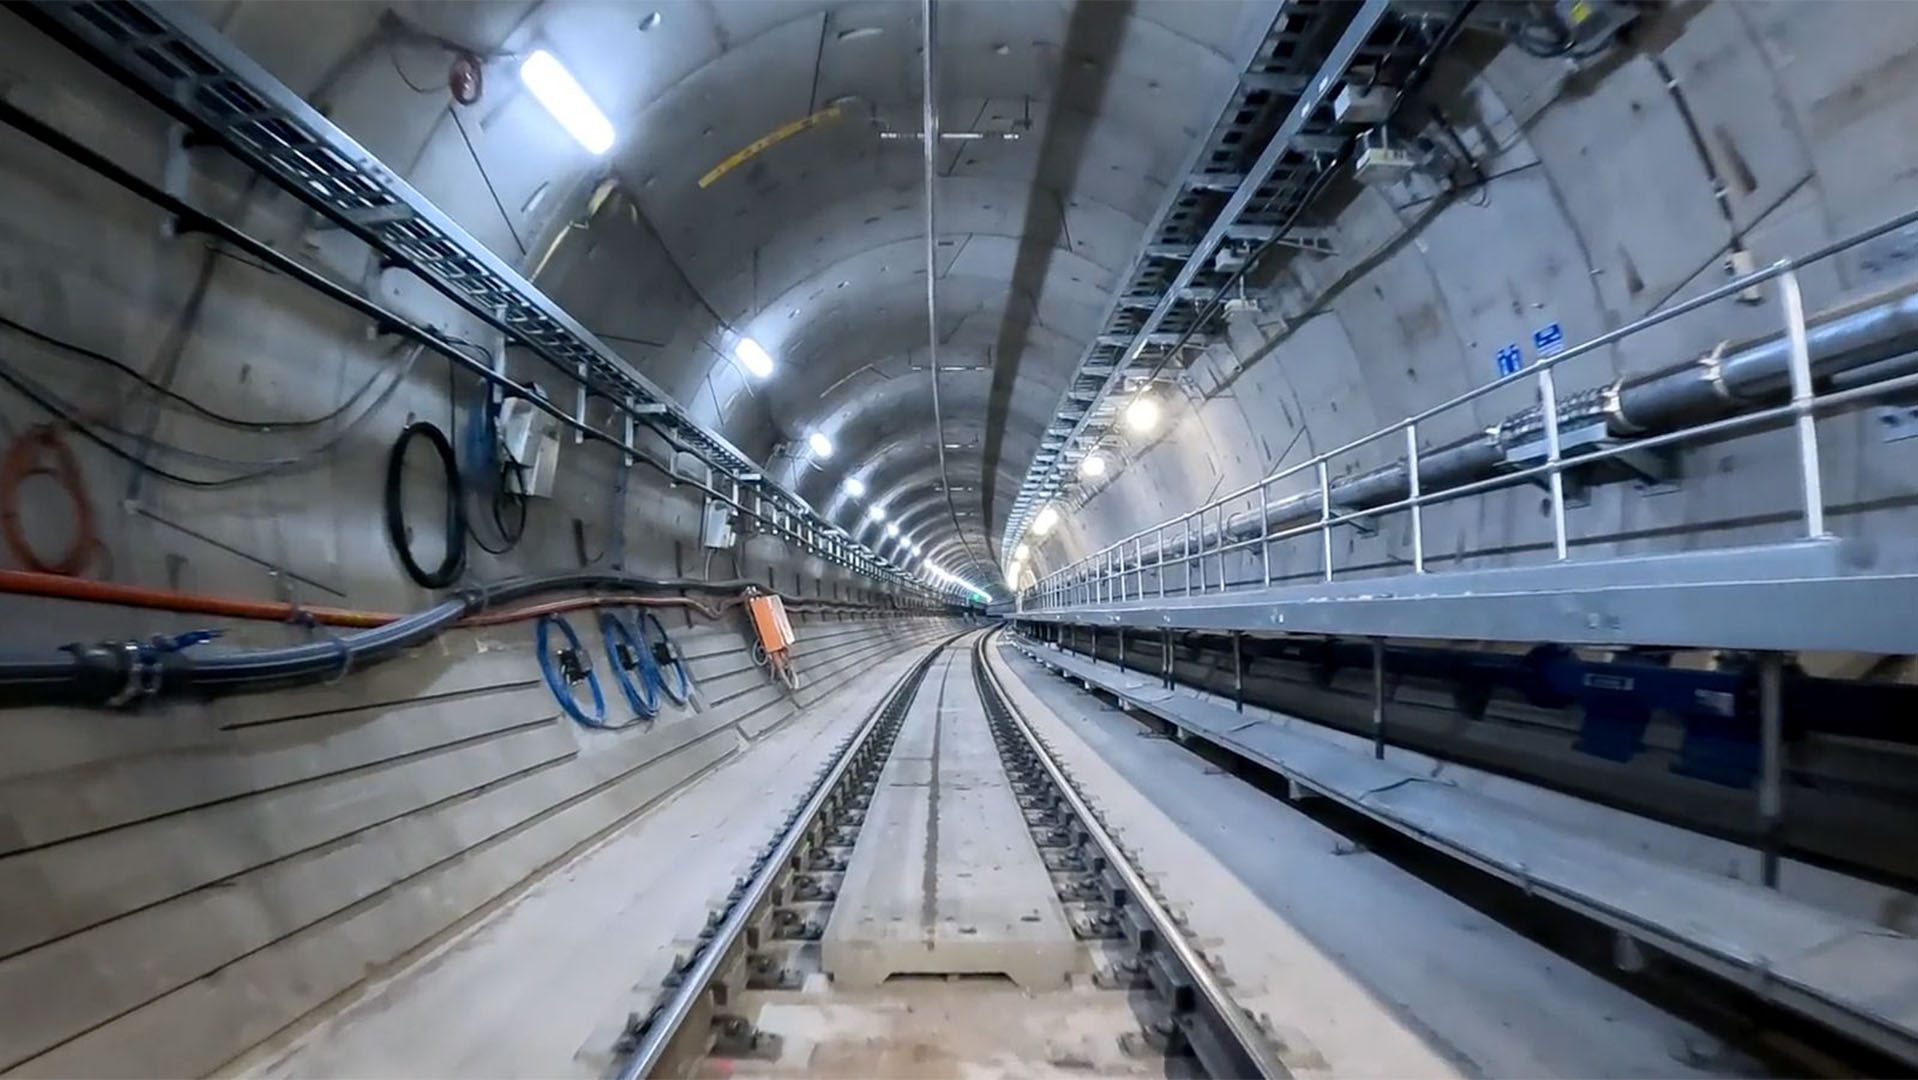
x: 1362, y: 104
x: 716, y: 526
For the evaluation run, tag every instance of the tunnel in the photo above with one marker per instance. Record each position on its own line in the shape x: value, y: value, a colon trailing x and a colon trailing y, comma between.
x: 924, y: 538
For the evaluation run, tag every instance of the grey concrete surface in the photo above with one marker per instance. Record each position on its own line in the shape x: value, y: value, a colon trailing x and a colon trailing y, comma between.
x: 542, y: 985
x: 945, y: 879
x: 1363, y: 969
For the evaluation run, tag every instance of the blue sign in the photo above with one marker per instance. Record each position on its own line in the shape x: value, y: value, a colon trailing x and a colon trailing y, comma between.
x: 1549, y: 340
x: 1510, y: 359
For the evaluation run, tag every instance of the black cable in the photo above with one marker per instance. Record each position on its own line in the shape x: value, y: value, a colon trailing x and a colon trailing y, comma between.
x: 486, y: 179
x: 181, y: 399
x: 453, y: 562
x: 56, y: 406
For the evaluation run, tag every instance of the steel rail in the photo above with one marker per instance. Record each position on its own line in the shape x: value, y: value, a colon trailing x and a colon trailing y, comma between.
x: 1226, y: 1039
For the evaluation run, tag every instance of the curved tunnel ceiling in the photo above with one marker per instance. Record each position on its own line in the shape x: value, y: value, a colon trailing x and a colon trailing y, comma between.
x: 816, y: 245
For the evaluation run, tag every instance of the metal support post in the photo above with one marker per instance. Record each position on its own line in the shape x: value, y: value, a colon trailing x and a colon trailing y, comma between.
x: 1122, y: 650
x: 1810, y: 478
x: 1555, y: 479
x: 1412, y: 487
x: 1165, y: 657
x: 1378, y: 698
x: 1158, y: 537
x: 1265, y: 524
x: 1238, y: 671
x: 1771, y: 764
x: 1325, y: 519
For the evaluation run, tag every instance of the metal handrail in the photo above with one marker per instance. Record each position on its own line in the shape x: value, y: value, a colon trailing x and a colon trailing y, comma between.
x: 1090, y: 578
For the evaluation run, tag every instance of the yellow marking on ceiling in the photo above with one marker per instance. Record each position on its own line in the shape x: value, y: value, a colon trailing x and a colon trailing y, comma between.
x: 768, y: 141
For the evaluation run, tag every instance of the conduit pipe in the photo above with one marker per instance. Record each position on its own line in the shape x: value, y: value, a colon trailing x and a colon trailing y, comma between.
x: 1876, y: 335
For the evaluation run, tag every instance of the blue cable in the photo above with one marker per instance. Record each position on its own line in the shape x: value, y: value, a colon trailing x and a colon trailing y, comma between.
x: 637, y: 680
x: 557, y: 681
x: 652, y: 634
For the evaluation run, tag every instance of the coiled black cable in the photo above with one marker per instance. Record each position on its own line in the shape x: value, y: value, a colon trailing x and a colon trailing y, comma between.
x: 453, y: 562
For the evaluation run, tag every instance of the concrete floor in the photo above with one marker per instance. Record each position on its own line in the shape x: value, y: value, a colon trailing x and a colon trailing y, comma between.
x: 543, y: 986
x: 1361, y: 968
x: 945, y: 878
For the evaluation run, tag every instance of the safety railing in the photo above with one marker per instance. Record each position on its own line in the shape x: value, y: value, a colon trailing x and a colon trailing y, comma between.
x: 1188, y: 555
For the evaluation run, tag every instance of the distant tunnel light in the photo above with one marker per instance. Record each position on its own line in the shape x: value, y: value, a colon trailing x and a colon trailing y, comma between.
x: 854, y: 487
x: 1142, y: 416
x: 1093, y: 466
x: 877, y: 513
x: 1021, y: 553
x: 821, y: 446
x: 892, y: 529
x: 1045, y: 522
x: 754, y: 356
x: 556, y: 89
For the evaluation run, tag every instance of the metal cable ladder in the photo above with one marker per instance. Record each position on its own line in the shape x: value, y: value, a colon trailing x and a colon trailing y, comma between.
x: 194, y: 74
x: 1244, y: 186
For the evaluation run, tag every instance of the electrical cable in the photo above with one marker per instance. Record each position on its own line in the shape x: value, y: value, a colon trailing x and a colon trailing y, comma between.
x: 571, y: 665
x: 54, y: 405
x: 183, y: 400
x: 632, y: 664
x: 26, y: 457
x: 453, y: 562
x: 664, y: 652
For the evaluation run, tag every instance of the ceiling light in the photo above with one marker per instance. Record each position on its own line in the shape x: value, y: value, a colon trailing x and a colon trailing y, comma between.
x: 555, y: 88
x: 1020, y: 553
x: 892, y: 529
x: 821, y: 446
x: 877, y: 513
x: 854, y: 486
x: 1093, y: 465
x: 1044, y: 523
x: 1143, y: 414
x: 754, y: 356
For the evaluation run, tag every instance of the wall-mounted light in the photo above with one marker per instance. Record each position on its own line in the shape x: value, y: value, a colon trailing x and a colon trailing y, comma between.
x: 555, y: 88
x: 1142, y: 416
x: 1093, y: 465
x: 753, y: 357
x: 854, y: 487
x: 1044, y: 523
x: 820, y: 445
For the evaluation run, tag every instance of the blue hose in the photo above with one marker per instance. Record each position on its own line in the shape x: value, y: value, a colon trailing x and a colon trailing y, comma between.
x: 632, y: 664
x: 665, y: 654
x: 559, y: 682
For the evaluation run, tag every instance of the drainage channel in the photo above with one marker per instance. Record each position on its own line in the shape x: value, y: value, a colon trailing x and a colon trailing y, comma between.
x: 944, y: 898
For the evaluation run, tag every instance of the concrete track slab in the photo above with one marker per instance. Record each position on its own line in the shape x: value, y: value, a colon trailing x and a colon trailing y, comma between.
x: 945, y: 879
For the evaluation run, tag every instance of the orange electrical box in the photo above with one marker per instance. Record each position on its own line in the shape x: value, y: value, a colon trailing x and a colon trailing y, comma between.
x: 769, y: 620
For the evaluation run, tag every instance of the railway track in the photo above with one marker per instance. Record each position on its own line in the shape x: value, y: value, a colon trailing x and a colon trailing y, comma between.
x: 943, y: 900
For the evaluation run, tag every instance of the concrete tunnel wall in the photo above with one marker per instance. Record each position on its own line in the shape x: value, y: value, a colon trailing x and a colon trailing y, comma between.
x: 1598, y: 210
x: 200, y: 877
x: 186, y: 881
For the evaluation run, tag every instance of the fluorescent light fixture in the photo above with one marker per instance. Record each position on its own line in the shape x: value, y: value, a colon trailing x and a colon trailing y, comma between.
x: 1048, y: 518
x: 1021, y: 553
x: 1094, y: 465
x: 877, y: 513
x: 821, y: 446
x: 854, y: 487
x: 555, y: 88
x: 1143, y: 414
x: 892, y: 529
x: 753, y: 356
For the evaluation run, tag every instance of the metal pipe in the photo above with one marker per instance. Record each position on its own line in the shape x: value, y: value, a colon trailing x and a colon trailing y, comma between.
x: 1865, y: 334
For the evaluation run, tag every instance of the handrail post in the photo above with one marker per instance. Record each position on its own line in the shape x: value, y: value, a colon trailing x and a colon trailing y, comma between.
x: 1548, y: 398
x: 1412, y: 489
x: 1158, y: 537
x: 1265, y: 525
x: 1325, y: 518
x: 1810, y: 479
